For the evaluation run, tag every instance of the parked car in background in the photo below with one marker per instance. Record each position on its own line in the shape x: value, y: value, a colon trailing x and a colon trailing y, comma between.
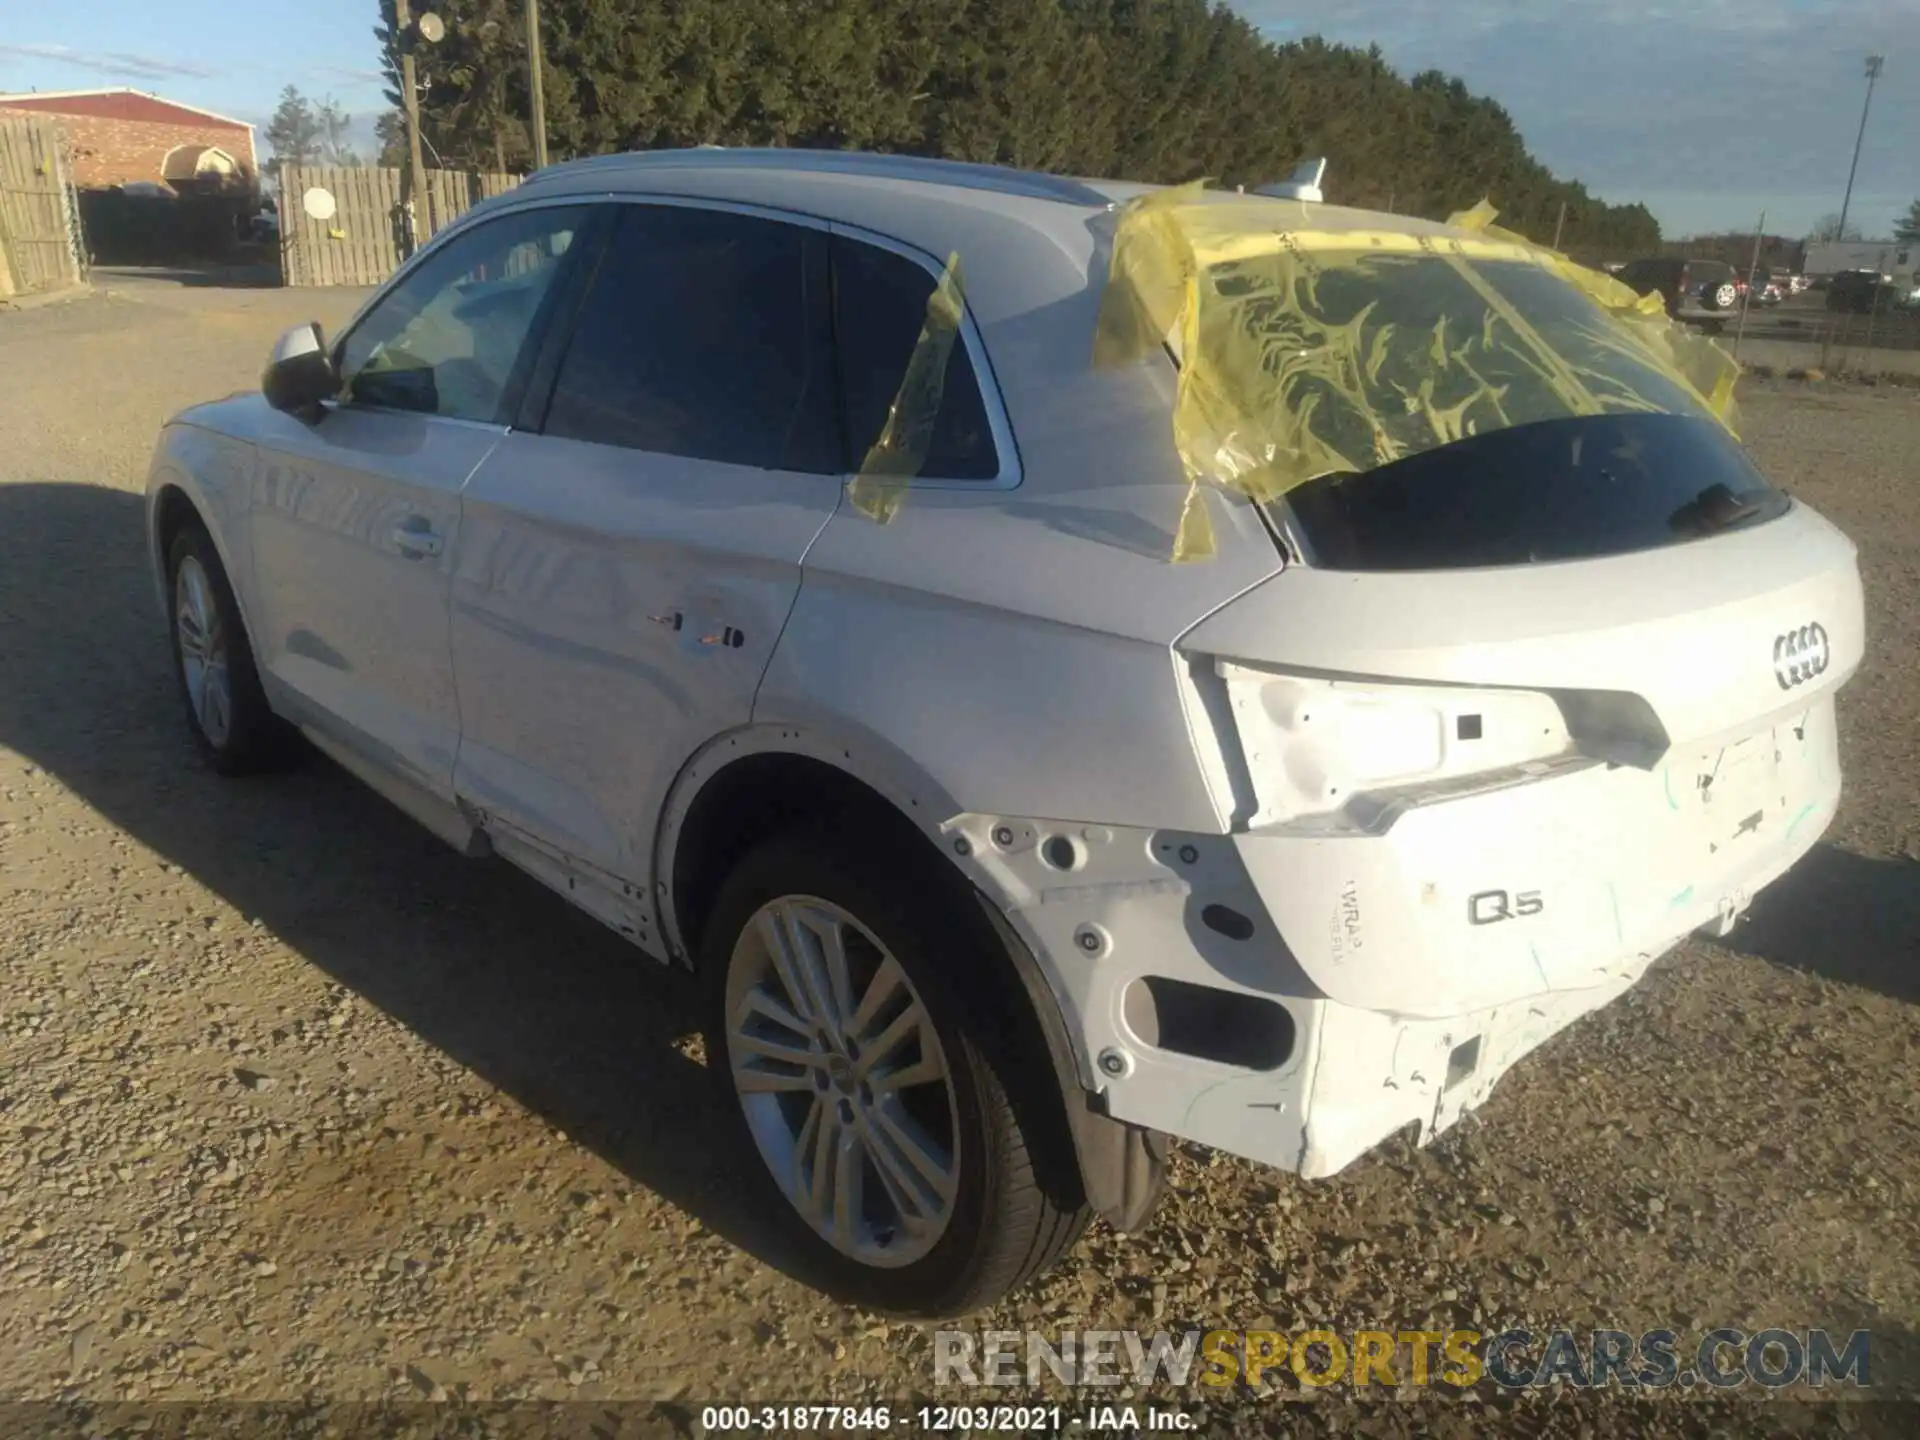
x: 1004, y: 848
x: 1861, y: 292
x: 1763, y: 287
x: 1698, y: 291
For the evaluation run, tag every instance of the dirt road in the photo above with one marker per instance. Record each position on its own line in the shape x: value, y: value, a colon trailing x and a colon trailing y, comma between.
x: 294, y: 1102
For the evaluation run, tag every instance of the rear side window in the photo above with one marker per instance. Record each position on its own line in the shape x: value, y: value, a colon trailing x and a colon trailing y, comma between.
x: 707, y: 334
x: 880, y: 305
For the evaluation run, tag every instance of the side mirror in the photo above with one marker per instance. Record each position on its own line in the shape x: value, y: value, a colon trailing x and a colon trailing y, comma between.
x: 299, y: 373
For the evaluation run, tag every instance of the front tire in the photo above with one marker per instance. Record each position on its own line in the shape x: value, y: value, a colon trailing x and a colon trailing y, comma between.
x: 870, y: 1074
x: 227, y: 709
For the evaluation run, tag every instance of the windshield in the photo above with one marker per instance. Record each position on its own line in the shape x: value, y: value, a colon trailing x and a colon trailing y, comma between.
x: 1375, y: 358
x: 1307, y: 352
x: 1553, y: 490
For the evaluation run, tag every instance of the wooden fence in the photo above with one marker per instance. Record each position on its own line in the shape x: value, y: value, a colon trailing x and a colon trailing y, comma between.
x: 39, y: 219
x: 360, y: 242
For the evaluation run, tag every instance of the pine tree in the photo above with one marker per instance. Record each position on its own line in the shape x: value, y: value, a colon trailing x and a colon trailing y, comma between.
x: 294, y: 133
x: 1907, y: 227
x: 1157, y: 90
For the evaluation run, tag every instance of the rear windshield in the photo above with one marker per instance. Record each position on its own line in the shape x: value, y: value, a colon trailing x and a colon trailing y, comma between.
x: 1453, y: 414
x: 1574, y: 489
x: 1370, y: 362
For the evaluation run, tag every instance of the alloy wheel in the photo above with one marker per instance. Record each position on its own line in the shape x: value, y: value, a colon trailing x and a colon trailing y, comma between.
x: 203, y: 651
x: 844, y: 1082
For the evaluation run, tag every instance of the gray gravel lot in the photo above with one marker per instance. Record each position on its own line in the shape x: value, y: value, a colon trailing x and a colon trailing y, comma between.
x: 294, y: 1102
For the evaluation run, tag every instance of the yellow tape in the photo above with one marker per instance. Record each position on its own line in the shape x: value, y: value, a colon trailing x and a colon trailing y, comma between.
x: 1688, y: 356
x: 1146, y: 292
x: 1305, y: 351
x: 900, y: 452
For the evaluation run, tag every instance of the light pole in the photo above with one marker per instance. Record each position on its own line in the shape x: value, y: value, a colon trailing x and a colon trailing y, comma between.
x: 537, y: 94
x: 428, y: 27
x: 1874, y: 62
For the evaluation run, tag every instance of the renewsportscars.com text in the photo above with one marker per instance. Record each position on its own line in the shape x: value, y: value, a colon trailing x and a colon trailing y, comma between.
x: 1513, y: 1359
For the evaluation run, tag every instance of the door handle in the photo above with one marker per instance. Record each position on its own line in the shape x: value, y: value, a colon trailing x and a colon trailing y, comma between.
x: 416, y: 543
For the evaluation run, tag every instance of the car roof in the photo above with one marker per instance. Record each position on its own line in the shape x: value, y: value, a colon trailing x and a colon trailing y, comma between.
x: 999, y: 179
x: 885, y: 192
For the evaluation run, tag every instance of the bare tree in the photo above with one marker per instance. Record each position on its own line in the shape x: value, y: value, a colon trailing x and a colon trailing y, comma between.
x: 335, y: 126
x: 1828, y: 228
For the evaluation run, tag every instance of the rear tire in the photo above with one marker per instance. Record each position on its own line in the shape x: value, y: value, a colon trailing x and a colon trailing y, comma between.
x: 227, y: 711
x: 807, y: 1064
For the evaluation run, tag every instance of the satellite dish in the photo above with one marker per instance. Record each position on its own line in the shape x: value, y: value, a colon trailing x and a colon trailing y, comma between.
x: 318, y: 203
x: 431, y: 27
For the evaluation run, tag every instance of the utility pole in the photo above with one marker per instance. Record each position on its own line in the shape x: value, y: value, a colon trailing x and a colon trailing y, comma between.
x: 1874, y: 62
x: 414, y: 181
x: 1559, y: 225
x: 1753, y: 268
x: 536, y: 87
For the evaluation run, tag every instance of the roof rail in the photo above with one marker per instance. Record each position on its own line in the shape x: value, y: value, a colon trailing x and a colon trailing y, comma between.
x: 999, y: 179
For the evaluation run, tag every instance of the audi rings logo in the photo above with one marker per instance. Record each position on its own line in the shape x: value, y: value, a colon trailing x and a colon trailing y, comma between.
x: 1801, y: 654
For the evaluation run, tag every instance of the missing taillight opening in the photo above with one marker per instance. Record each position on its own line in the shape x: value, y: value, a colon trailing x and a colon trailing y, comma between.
x: 1209, y: 1024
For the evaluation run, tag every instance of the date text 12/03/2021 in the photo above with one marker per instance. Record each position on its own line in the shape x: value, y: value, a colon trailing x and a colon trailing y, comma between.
x: 945, y: 1419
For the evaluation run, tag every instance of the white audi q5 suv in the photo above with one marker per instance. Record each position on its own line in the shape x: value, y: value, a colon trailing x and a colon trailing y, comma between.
x: 1069, y: 664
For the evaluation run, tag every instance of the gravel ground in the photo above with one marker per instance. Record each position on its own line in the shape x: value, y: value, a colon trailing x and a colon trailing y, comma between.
x: 295, y: 1103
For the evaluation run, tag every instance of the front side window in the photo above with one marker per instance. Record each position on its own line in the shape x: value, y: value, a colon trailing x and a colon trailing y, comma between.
x: 706, y: 334
x: 447, y: 339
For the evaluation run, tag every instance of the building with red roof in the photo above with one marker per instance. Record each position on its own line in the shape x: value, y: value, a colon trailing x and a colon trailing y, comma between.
x: 120, y: 136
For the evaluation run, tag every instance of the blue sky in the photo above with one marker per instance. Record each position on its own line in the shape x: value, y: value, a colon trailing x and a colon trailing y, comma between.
x: 1709, y: 110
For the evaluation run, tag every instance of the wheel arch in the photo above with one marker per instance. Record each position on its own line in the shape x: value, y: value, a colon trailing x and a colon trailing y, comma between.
x: 171, y: 511
x: 173, y: 502
x: 746, y: 785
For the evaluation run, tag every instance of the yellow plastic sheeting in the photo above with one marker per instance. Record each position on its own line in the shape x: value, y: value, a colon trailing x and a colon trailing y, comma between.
x: 1306, y: 351
x: 1708, y: 371
x: 900, y: 451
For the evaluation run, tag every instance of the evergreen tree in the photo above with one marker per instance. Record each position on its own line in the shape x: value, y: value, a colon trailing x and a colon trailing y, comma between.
x: 1158, y: 90
x: 294, y: 133
x: 1907, y: 227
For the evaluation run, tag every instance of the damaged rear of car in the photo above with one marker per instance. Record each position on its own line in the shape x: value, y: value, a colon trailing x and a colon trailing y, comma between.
x: 1546, y: 684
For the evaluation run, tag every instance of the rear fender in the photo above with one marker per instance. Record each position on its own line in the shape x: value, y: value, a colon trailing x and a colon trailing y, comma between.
x: 1122, y: 1166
